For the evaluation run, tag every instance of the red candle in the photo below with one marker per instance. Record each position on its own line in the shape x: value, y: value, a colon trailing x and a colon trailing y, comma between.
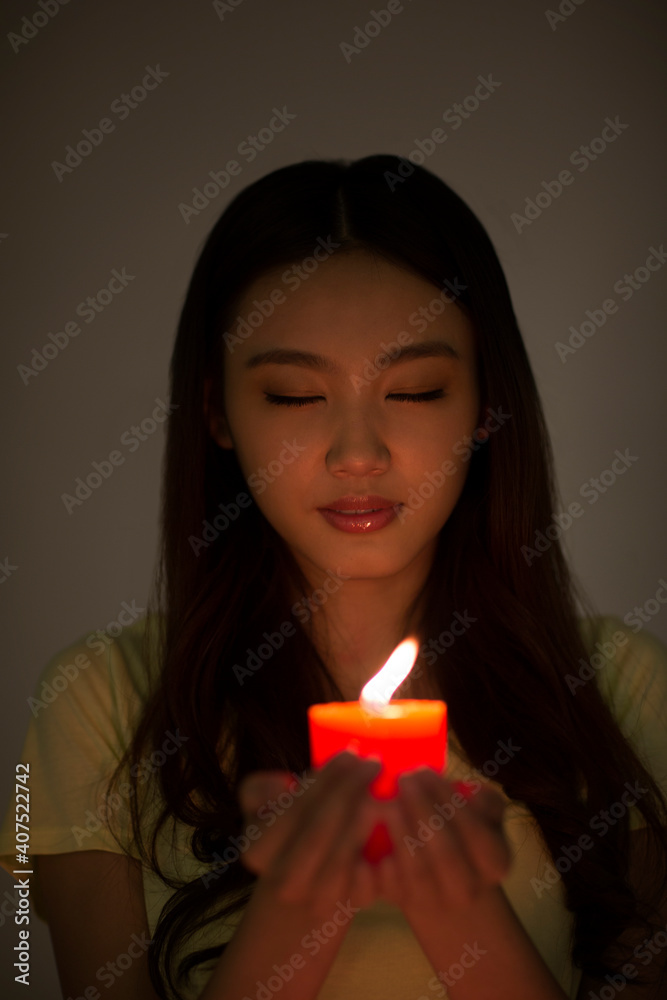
x: 404, y: 734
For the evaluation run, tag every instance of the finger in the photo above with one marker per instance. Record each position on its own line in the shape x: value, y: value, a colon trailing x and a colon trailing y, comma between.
x: 278, y: 823
x: 328, y: 832
x: 408, y: 813
x: 485, y: 842
x: 359, y: 819
x: 255, y: 784
x: 257, y: 787
x: 466, y: 788
x: 363, y: 874
x: 485, y: 801
x: 389, y: 884
x: 489, y: 805
x: 338, y: 824
x: 478, y: 824
x: 363, y: 892
x: 435, y: 857
x: 328, y: 778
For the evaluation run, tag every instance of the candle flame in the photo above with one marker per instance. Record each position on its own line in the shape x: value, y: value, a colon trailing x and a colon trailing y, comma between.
x: 375, y: 695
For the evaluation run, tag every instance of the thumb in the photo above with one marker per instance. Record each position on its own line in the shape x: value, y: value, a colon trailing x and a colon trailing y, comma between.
x: 258, y: 787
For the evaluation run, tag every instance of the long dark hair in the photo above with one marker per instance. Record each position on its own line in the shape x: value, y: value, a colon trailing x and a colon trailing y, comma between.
x: 217, y: 589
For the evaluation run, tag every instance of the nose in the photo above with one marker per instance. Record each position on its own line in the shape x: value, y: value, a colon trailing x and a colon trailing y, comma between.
x: 357, y: 448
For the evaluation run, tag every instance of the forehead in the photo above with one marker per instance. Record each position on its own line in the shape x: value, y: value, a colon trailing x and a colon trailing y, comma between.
x: 349, y: 302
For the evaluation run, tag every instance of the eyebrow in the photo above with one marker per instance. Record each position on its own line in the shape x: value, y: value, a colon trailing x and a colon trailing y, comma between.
x: 319, y: 362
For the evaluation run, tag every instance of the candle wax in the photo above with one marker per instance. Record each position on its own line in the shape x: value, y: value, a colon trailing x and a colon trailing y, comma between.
x: 408, y: 734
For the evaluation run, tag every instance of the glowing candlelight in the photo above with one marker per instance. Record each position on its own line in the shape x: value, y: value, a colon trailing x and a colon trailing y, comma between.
x: 404, y: 734
x: 376, y: 694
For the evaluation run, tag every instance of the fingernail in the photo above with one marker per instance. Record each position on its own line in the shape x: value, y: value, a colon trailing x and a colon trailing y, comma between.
x: 373, y: 759
x: 464, y: 788
x: 422, y: 771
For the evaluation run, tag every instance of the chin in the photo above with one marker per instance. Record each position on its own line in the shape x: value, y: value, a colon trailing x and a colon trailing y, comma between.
x: 369, y: 565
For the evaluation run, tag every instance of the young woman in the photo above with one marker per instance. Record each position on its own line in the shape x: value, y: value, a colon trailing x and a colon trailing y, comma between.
x: 356, y: 453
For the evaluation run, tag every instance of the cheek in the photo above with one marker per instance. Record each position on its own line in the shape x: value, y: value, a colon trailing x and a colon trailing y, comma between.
x: 447, y: 439
x: 258, y: 452
x: 277, y: 472
x: 440, y: 464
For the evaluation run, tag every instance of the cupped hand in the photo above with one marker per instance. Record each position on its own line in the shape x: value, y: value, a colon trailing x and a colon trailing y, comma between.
x: 449, y: 847
x: 312, y: 833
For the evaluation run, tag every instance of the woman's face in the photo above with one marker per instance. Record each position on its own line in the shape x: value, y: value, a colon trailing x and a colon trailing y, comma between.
x: 355, y: 435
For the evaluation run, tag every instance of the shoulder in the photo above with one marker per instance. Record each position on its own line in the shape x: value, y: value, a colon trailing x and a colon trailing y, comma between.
x: 84, y: 709
x: 97, y: 675
x: 630, y: 668
x: 629, y: 665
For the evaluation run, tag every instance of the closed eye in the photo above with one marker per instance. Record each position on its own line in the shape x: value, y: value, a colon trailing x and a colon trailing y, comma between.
x: 290, y: 400
x: 417, y: 397
x: 402, y: 397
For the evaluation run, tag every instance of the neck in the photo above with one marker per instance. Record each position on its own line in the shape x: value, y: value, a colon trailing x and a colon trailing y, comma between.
x: 361, y: 622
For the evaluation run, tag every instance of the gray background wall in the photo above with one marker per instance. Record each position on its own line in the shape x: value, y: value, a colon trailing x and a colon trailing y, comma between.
x: 119, y: 209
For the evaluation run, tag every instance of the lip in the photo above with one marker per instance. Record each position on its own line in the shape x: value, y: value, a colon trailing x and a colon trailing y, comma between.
x: 369, y: 501
x: 370, y: 513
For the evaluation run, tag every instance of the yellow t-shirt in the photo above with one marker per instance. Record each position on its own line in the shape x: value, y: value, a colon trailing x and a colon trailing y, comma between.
x: 84, y: 709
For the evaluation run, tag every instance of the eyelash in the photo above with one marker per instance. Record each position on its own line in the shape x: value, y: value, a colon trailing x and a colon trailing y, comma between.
x: 415, y: 397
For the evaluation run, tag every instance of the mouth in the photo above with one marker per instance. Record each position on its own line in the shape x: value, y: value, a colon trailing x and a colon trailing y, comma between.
x: 360, y: 514
x: 369, y: 510
x: 360, y: 505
